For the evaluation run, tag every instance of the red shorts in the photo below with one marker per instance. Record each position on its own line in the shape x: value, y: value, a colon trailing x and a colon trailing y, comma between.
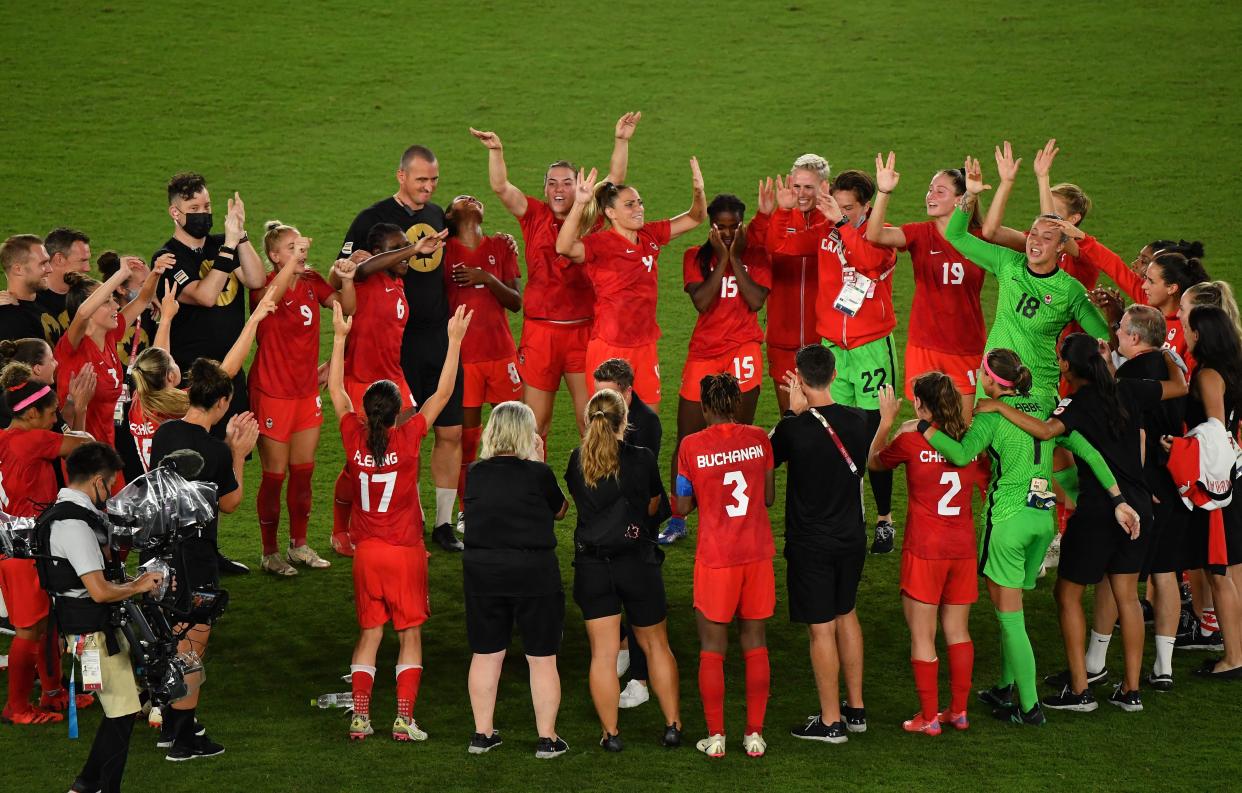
x: 941, y: 582
x: 490, y: 381
x: 960, y: 368
x: 744, y: 363
x: 23, y: 597
x: 390, y: 583
x: 280, y: 419
x: 746, y: 591
x: 358, y: 389
x: 644, y: 360
x: 780, y: 360
x: 550, y: 350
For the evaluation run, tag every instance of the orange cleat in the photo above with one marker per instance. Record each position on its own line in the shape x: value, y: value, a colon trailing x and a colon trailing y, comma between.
x: 58, y: 701
x: 919, y: 724
x: 956, y: 720
x: 31, y: 716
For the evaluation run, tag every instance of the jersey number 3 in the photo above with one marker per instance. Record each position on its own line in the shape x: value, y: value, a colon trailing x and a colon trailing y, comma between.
x: 741, y: 501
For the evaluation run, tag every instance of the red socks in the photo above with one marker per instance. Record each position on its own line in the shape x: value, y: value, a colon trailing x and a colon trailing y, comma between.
x: 712, y: 690
x: 961, y: 665
x: 469, y: 452
x: 298, y: 500
x: 342, y: 503
x: 408, y: 678
x: 758, y: 683
x: 268, y: 505
x: 361, y: 680
x: 23, y: 654
x: 926, y: 683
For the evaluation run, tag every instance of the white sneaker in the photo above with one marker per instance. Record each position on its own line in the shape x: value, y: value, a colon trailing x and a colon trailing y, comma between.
x: 461, y: 522
x: 155, y: 718
x: 275, y: 564
x: 754, y: 744
x: 304, y: 554
x: 1052, y: 558
x: 634, y: 694
x: 712, y: 746
x: 623, y: 662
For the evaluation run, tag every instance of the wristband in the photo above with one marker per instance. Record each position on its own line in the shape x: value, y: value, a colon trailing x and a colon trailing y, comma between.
x: 843, y: 221
x: 244, y: 239
x: 225, y: 264
x: 923, y: 426
x: 230, y: 250
x: 1118, y: 500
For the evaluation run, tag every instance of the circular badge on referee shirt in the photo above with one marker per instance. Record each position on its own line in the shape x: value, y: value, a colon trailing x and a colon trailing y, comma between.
x: 424, y: 264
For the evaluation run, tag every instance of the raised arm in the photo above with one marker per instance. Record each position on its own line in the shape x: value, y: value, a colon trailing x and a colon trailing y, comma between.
x: 344, y: 270
x: 753, y: 294
x: 101, y: 295
x: 1043, y: 179
x: 994, y: 229
x: 568, y: 244
x: 168, y: 309
x: 705, y: 293
x: 498, y: 173
x: 134, y: 308
x: 236, y: 355
x: 782, y: 239
x: 886, y: 178
x: 250, y: 271
x: 619, y: 163
x: 889, y: 405
x: 989, y: 256
x: 457, y: 326
x: 697, y: 212
x: 341, y: 325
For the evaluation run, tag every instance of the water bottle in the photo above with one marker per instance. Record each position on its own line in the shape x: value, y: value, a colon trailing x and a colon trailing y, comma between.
x: 344, y: 699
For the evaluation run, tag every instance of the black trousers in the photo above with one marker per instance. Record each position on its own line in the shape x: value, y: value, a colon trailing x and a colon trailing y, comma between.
x: 105, y: 765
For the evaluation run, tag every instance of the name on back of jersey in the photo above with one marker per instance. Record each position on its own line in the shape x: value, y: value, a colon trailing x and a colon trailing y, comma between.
x: 931, y: 456
x: 728, y: 458
x: 368, y: 461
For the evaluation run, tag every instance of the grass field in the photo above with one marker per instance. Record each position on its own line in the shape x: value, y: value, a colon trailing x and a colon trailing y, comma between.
x: 304, y: 109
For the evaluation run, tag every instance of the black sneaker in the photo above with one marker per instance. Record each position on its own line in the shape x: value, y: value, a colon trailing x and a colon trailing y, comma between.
x: 482, y: 744
x: 443, y: 536
x: 81, y: 786
x: 547, y: 748
x: 611, y: 743
x: 1208, y: 670
x: 855, y: 718
x: 1160, y: 682
x: 167, y: 739
x: 1062, y: 679
x: 1013, y: 714
x: 1128, y: 701
x: 1198, y: 640
x: 996, y: 696
x: 1081, y: 702
x: 1187, y: 622
x: 7, y: 627
x: 672, y: 737
x: 816, y: 730
x: 885, y: 531
x: 198, y: 746
x: 230, y: 566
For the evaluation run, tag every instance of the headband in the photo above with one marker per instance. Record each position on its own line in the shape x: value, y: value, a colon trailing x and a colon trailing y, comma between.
x: 1000, y: 381
x: 30, y: 400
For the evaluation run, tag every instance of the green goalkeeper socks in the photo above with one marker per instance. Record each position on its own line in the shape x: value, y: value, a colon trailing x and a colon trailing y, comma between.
x: 1017, y: 657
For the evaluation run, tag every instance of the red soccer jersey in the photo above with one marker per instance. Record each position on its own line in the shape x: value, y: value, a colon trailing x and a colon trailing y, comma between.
x: 946, y: 314
x: 625, y: 276
x: 385, y: 495
x: 373, y: 347
x: 728, y: 323
x: 554, y: 289
x: 939, y: 521
x: 286, y: 364
x: 109, y: 376
x: 791, y: 314
x: 27, y: 470
x: 727, y: 465
x: 142, y: 427
x: 489, y: 337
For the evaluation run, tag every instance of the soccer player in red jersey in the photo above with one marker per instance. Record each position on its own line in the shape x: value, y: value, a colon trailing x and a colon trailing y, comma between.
x: 284, y: 389
x: 791, y: 317
x: 482, y: 273
x: 390, y: 560
x: 938, y: 554
x: 727, y: 472
x: 556, y: 323
x: 30, y: 454
x: 621, y: 261
x: 947, y: 332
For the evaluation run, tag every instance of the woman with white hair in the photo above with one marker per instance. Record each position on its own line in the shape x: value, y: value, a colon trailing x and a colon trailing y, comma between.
x: 511, y: 572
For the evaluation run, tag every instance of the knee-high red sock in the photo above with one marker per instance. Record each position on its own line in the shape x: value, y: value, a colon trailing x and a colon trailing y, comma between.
x: 469, y: 451
x: 758, y: 684
x: 298, y: 500
x: 342, y: 503
x: 961, y: 666
x: 268, y: 506
x: 23, y: 654
x: 712, y: 690
x: 926, y: 677
x: 48, y: 663
x: 408, y: 678
x: 361, y: 680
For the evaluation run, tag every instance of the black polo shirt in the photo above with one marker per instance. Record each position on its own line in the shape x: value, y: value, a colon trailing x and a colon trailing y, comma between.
x: 202, y: 331
x: 29, y: 319
x: 56, y: 304
x: 1167, y: 418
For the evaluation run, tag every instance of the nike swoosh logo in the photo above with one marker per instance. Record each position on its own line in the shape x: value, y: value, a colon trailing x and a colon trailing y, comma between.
x: 935, y: 253
x: 628, y: 250
x: 389, y: 289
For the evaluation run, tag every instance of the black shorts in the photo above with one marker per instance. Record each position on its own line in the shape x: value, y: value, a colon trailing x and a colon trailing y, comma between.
x: 195, y: 565
x: 422, y: 358
x: 1199, y: 536
x: 822, y: 586
x: 540, y: 621
x: 1093, y: 546
x: 1166, y: 549
x: 603, y: 587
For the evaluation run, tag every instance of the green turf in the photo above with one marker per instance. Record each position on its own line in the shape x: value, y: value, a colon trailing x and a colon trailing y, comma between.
x: 304, y: 108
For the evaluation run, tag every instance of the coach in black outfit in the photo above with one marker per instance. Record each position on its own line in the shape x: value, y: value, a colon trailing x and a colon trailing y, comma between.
x: 425, y: 343
x: 26, y: 270
x: 825, y: 445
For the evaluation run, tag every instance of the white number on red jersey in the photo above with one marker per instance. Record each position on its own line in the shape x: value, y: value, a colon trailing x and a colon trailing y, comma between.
x: 514, y: 377
x: 4, y: 496
x: 744, y: 368
x: 649, y: 262
x: 740, y: 500
x: 144, y: 451
x: 954, y: 481
x: 954, y: 272
x: 400, y: 308
x: 307, y: 316
x: 388, y: 480
x: 728, y: 286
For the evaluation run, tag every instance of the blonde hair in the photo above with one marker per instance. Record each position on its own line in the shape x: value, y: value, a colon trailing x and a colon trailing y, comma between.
x: 813, y: 163
x: 1075, y: 198
x: 151, y: 370
x: 273, y: 230
x: 1215, y: 293
x: 510, y: 430
x: 600, y: 453
x: 605, y: 194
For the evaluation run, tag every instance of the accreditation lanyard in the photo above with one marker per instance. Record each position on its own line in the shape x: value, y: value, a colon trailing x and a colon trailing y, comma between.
x: 835, y: 439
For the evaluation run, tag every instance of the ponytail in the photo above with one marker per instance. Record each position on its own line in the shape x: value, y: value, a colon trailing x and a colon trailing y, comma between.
x: 381, y: 403
x: 28, y: 351
x: 940, y: 396
x: 1216, y: 293
x: 605, y: 197
x: 600, y: 452
x: 152, y: 367
x: 20, y: 390
x: 1082, y: 354
x: 1008, y: 365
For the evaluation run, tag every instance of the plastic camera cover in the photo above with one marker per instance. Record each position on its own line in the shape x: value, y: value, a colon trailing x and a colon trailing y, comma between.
x: 158, y: 506
x: 160, y: 567
x: 16, y: 536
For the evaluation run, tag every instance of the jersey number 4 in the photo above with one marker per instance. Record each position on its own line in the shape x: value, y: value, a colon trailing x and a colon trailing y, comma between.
x: 741, y: 501
x: 388, y: 480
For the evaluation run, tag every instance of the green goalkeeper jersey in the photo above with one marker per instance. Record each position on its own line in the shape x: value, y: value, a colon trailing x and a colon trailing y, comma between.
x: 1031, y: 309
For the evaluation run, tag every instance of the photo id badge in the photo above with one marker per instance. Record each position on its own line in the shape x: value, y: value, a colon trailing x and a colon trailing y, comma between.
x: 856, y: 289
x: 1040, y: 496
x: 92, y: 675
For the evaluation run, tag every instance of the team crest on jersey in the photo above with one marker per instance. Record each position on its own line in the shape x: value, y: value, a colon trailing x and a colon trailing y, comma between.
x: 654, y: 247
x: 268, y: 423
x: 491, y: 260
x: 1048, y: 299
x: 428, y: 262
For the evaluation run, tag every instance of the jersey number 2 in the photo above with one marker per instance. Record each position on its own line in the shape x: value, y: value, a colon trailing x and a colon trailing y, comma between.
x: 740, y: 500
x: 388, y: 480
x: 954, y: 481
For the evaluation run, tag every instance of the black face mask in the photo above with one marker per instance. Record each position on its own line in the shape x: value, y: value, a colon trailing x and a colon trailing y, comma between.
x: 97, y: 501
x: 197, y: 224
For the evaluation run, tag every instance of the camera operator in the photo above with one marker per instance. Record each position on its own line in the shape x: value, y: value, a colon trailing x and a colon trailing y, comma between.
x: 74, y: 572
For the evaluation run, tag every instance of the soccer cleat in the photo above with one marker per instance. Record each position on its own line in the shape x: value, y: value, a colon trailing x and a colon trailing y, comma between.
x: 275, y: 564
x: 30, y: 716
x: 58, y: 701
x: 342, y: 545
x: 360, y: 727
x: 1160, y: 682
x: 1079, y: 702
x: 1062, y: 679
x: 712, y: 745
x: 672, y: 736
x: 885, y: 531
x: 461, y: 525
x: 956, y: 720
x: 673, y: 531
x: 155, y: 718
x: 855, y: 718
x: 1013, y: 714
x: 623, y: 662
x: 547, y: 748
x: 918, y: 724
x: 443, y: 536
x: 754, y: 744
x: 198, y: 746
x: 230, y: 566
x: 611, y: 743
x: 1198, y: 640
x: 1129, y: 701
x: 304, y: 554
x: 404, y: 729
x: 1052, y: 556
x: 816, y: 730
x: 633, y: 695
x: 996, y: 696
x: 482, y: 744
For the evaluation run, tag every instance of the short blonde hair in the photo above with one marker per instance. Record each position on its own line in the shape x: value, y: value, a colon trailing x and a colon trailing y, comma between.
x: 510, y: 430
x: 813, y: 163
